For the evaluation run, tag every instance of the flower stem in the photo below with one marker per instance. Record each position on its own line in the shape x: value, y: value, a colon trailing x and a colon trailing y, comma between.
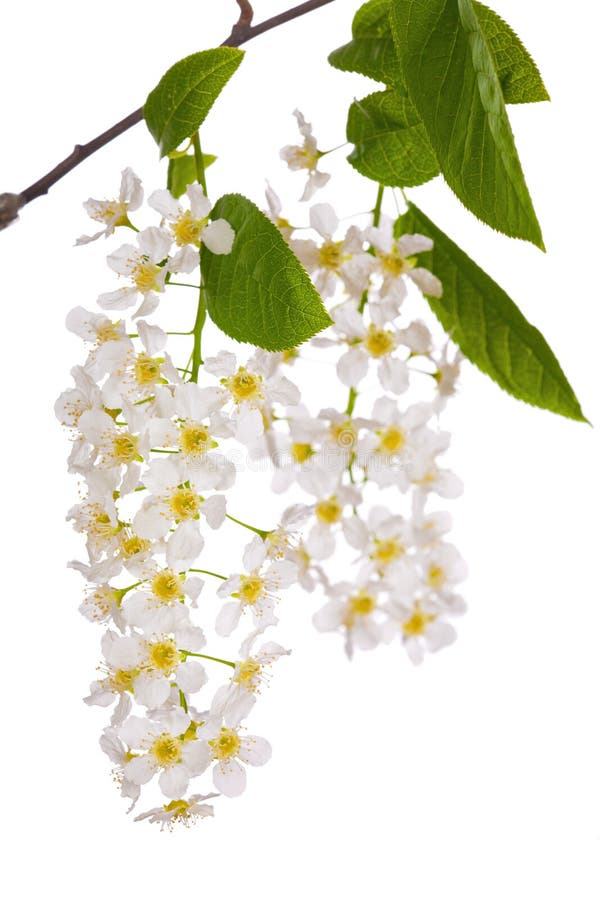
x: 201, y: 311
x: 263, y: 534
x: 208, y: 572
x: 226, y: 662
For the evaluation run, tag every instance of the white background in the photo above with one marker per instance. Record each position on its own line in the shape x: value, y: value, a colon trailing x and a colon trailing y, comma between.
x: 472, y: 777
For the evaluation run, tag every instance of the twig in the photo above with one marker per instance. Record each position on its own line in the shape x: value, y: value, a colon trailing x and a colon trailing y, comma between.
x: 242, y: 31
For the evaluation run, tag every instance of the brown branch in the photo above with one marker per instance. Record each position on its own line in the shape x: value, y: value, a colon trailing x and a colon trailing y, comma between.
x: 242, y: 31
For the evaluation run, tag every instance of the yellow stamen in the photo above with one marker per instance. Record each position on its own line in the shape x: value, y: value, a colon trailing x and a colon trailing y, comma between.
x: 226, y: 745
x: 166, y: 749
x: 166, y: 586
x: 378, y: 342
x: 185, y: 504
x: 328, y: 511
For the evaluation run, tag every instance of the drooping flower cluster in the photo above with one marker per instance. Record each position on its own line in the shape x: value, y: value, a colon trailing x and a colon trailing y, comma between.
x: 154, y: 444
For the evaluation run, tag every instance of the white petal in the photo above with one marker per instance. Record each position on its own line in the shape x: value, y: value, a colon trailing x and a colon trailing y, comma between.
x: 228, y: 618
x: 191, y: 676
x: 155, y: 243
x: 323, y: 219
x: 352, y: 366
x: 255, y: 751
x: 218, y: 236
x: 151, y: 691
x: 174, y: 782
x: 165, y: 204
x: 184, y: 546
x: 229, y: 778
x: 139, y: 770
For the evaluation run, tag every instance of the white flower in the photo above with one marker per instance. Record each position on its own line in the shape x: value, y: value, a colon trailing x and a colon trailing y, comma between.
x: 252, y: 389
x: 159, y: 607
x: 353, y: 610
x: 368, y: 343
x: 394, y: 260
x: 191, y: 227
x: 113, y: 213
x: 229, y: 749
x: 419, y: 626
x: 255, y: 590
x: 161, y: 746
x: 234, y: 700
x: 305, y: 156
x: 140, y: 264
x: 179, y: 812
x: 331, y: 260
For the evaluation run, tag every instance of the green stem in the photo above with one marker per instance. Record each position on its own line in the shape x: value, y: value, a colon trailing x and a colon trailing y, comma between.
x: 182, y: 701
x: 378, y: 202
x: 226, y: 662
x: 263, y: 534
x: 351, y: 401
x: 198, y: 326
x: 199, y: 160
x: 208, y: 572
x: 201, y: 311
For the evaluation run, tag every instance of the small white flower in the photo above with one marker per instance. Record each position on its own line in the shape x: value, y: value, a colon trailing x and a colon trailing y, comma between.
x: 140, y: 264
x: 112, y: 213
x: 305, y: 156
x: 229, y: 749
x: 179, y: 812
x: 191, y: 227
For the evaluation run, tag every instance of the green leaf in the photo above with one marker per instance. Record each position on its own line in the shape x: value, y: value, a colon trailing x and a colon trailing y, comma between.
x: 488, y: 327
x: 182, y: 171
x: 518, y: 74
x: 183, y: 97
x: 391, y: 144
x: 259, y: 293
x: 451, y: 79
x: 371, y: 52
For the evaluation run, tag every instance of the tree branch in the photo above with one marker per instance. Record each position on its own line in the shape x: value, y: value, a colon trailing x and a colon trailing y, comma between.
x: 242, y: 31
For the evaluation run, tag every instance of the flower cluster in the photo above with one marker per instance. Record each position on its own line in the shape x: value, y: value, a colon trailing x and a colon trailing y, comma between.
x: 154, y: 444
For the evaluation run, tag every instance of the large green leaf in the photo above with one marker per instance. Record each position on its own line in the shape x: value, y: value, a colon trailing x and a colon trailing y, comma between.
x: 372, y: 51
x: 518, y: 74
x: 488, y: 327
x: 183, y: 97
x: 391, y: 144
x: 259, y: 293
x: 451, y: 79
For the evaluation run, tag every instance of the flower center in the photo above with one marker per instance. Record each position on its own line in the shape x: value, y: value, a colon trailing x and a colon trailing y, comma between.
x: 344, y: 434
x: 146, y: 369
x: 134, y: 544
x: 122, y: 679
x: 331, y: 256
x: 195, y: 440
x: 187, y: 229
x: 361, y: 604
x: 247, y: 672
x: 392, y: 440
x: 378, y: 341
x: 244, y: 385
x: 166, y: 586
x: 163, y: 656
x: 395, y: 265
x: 251, y: 589
x: 166, y: 750
x: 436, y: 577
x: 328, y: 511
x: 144, y: 277
x: 185, y: 504
x: 179, y: 808
x: 301, y: 452
x: 226, y: 745
x: 386, y: 552
x: 417, y: 623
x: 125, y: 447
x: 108, y: 332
